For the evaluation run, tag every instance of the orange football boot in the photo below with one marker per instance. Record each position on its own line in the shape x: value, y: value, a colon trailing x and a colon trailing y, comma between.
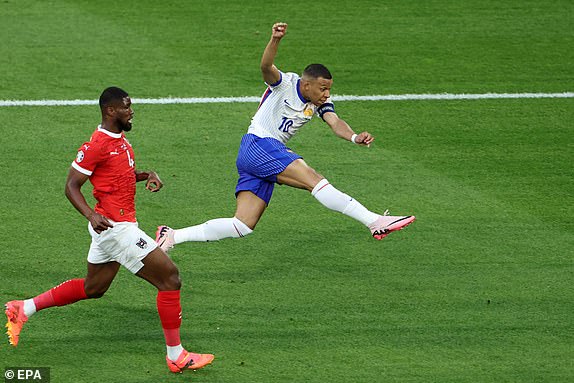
x: 189, y: 360
x: 16, y: 319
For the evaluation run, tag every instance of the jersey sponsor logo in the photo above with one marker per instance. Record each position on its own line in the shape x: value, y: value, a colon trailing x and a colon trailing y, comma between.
x: 114, y: 152
x: 142, y: 243
x: 80, y: 156
x: 286, y: 102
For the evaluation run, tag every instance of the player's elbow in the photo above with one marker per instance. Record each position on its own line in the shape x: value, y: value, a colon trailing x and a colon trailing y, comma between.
x: 70, y: 188
x: 270, y: 74
x: 266, y: 73
x: 67, y: 190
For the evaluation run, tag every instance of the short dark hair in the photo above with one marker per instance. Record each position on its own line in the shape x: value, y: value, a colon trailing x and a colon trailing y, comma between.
x: 112, y: 95
x: 316, y: 71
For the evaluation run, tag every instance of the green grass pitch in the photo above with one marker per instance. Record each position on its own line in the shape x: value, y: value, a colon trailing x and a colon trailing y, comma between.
x: 478, y: 289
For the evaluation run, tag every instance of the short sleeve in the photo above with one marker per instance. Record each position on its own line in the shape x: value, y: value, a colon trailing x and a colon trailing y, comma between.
x: 284, y: 79
x: 87, y: 158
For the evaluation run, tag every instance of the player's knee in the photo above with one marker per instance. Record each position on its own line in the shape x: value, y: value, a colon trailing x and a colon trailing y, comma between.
x: 95, y: 291
x: 173, y: 281
x: 243, y: 228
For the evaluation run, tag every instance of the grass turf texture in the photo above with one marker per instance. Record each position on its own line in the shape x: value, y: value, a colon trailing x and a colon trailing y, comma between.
x: 478, y: 289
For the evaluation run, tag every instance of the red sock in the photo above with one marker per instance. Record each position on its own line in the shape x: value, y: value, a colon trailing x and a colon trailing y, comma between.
x: 64, y: 294
x: 169, y: 309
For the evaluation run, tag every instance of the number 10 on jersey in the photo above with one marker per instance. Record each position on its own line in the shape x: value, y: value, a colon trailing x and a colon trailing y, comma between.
x: 285, y: 124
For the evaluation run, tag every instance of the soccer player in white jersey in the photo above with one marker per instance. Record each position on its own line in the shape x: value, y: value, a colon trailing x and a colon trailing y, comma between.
x: 288, y: 103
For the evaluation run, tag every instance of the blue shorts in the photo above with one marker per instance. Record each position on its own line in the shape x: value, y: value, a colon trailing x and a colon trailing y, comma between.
x: 258, y: 162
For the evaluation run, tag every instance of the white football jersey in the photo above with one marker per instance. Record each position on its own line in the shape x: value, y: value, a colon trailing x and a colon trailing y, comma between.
x: 283, y: 110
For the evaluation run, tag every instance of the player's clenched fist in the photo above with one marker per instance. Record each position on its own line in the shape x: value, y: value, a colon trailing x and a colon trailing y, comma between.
x: 364, y: 138
x: 279, y: 30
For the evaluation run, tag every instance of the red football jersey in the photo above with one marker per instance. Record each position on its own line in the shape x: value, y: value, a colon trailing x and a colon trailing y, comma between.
x: 108, y: 159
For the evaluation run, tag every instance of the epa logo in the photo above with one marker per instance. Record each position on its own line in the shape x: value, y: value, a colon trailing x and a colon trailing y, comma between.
x: 27, y: 374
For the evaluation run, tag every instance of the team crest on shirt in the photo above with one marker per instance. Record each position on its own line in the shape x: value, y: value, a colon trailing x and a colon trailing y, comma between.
x: 308, y: 111
x: 141, y: 243
x: 80, y: 156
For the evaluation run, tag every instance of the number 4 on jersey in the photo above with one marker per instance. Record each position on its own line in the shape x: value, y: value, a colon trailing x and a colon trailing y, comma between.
x: 130, y: 161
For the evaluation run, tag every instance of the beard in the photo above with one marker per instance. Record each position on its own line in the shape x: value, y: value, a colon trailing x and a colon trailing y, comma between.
x: 124, y: 126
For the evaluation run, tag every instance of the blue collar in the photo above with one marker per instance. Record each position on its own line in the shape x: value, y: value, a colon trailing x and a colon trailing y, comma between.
x: 299, y: 93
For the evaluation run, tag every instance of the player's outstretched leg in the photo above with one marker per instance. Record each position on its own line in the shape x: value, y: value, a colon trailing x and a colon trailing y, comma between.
x: 380, y: 225
x: 212, y: 230
x: 18, y: 312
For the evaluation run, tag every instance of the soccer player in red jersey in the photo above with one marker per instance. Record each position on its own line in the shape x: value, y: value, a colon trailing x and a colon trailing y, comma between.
x: 107, y: 160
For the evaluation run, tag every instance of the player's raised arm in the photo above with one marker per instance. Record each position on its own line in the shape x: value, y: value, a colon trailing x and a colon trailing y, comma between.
x: 269, y: 71
x: 343, y: 130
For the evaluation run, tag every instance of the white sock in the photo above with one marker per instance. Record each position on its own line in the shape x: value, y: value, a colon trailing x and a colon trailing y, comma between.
x: 333, y: 199
x: 173, y: 352
x: 29, y: 307
x: 212, y: 230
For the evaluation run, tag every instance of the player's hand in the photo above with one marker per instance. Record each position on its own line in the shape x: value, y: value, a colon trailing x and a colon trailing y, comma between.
x: 153, y: 183
x: 364, y: 138
x: 99, y: 222
x: 279, y: 30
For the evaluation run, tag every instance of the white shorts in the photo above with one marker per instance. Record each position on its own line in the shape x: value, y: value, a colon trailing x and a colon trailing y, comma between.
x: 124, y: 243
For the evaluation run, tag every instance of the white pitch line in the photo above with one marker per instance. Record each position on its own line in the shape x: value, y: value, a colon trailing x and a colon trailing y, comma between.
x: 209, y: 100
x: 450, y: 96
